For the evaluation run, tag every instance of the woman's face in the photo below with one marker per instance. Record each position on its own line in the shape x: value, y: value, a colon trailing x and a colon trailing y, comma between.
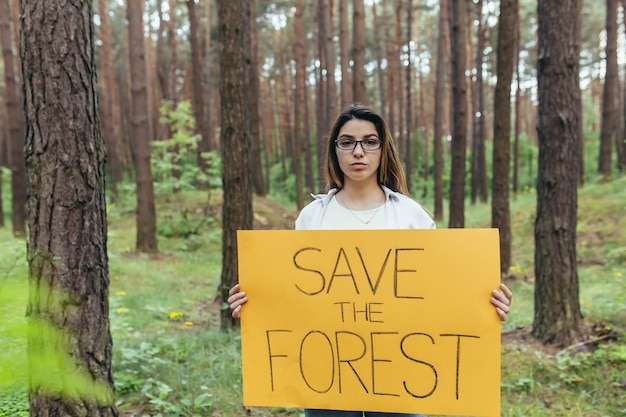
x: 358, y: 165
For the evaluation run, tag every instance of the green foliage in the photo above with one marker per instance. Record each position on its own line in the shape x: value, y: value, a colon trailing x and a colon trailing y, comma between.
x: 14, y: 402
x: 283, y: 184
x: 174, y: 160
x: 13, y: 298
x: 48, y: 366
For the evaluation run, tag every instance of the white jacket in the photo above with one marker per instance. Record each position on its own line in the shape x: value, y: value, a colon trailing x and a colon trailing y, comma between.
x: 402, y: 212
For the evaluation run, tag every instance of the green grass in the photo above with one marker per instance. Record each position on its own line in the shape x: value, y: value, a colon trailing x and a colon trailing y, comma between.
x: 171, y: 359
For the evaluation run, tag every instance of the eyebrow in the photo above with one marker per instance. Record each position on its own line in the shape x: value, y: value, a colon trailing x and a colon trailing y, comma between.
x: 368, y: 136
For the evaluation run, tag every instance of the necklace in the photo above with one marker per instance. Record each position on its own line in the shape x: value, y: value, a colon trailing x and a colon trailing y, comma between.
x: 355, y: 215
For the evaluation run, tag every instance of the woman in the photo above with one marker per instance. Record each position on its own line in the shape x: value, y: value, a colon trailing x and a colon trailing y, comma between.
x: 366, y: 190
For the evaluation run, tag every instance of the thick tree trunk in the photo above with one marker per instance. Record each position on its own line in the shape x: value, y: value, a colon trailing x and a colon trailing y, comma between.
x: 67, y: 245
x: 234, y: 35
x: 459, y: 104
x: 558, y: 318
x: 500, y: 211
x: 146, y: 212
x: 13, y: 99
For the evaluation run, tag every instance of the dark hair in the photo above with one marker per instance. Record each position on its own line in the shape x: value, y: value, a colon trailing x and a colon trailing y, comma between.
x: 390, y: 173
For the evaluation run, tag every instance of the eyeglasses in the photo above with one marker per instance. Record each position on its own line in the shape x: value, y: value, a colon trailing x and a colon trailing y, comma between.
x: 368, y: 145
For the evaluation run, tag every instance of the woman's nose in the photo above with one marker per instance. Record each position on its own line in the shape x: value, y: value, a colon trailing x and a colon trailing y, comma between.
x: 358, y: 148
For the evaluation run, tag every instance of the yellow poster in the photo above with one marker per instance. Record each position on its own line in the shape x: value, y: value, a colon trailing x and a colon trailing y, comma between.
x: 384, y: 320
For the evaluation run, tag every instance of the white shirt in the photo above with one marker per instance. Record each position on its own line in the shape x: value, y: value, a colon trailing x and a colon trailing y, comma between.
x: 339, y: 217
x: 401, y: 212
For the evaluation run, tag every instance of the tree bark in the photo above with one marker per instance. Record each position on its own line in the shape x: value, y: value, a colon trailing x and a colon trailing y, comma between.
x: 621, y: 140
x: 321, y: 94
x: 255, y: 86
x: 518, y: 97
x: 300, y: 133
x: 440, y: 92
x: 359, y: 88
x: 344, y: 42
x: 329, y: 50
x: 197, y: 99
x: 146, y: 213
x: 408, y: 157
x: 13, y: 99
x: 67, y: 246
x: 609, y: 96
x: 234, y: 36
x: 558, y: 318
x: 208, y: 82
x: 500, y: 211
x: 379, y: 62
x: 479, y: 165
x: 110, y: 122
x: 459, y: 95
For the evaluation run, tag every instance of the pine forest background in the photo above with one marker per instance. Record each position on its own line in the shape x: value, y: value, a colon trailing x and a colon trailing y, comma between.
x: 204, y: 117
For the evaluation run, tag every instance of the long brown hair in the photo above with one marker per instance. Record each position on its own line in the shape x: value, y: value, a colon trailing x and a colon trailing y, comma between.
x: 390, y: 173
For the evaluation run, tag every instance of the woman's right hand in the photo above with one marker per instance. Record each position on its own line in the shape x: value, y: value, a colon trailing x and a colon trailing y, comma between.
x: 236, y: 299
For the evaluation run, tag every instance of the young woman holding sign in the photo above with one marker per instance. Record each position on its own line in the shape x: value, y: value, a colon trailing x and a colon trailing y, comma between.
x: 366, y: 190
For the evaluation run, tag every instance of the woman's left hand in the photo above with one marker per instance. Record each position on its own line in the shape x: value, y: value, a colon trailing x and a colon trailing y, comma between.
x: 502, y: 300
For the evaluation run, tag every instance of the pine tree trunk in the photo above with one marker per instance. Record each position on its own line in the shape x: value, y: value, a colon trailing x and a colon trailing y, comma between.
x: 479, y: 169
x: 321, y: 94
x: 622, y: 138
x: 208, y: 82
x: 344, y: 41
x: 255, y: 82
x: 558, y: 318
x: 379, y: 62
x: 197, y: 99
x: 234, y: 35
x: 299, y: 102
x: 500, y: 211
x: 359, y: 90
x: 439, y: 117
x: 459, y: 104
x: 408, y: 157
x: 146, y: 212
x: 110, y: 123
x: 15, y: 112
x: 329, y: 49
x: 609, y: 96
x: 67, y: 246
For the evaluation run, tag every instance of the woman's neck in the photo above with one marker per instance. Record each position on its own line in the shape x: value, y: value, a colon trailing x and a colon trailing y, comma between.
x: 361, y: 196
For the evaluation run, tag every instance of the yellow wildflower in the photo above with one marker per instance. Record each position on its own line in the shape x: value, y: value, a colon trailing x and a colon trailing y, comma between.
x: 120, y: 293
x: 122, y: 310
x: 175, y: 314
x: 188, y: 323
